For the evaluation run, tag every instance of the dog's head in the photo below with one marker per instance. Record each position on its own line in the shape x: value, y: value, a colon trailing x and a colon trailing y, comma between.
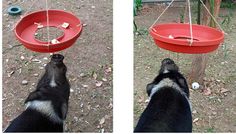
x: 169, y: 75
x: 56, y: 69
x: 168, y: 65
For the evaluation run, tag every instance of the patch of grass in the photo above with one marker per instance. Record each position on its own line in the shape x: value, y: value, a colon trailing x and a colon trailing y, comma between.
x: 210, y: 130
x: 228, y: 4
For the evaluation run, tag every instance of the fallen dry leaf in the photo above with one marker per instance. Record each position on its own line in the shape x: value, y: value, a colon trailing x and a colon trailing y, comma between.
x: 223, y: 90
x: 99, y: 83
x: 108, y: 70
x: 207, y: 91
x: 102, y: 121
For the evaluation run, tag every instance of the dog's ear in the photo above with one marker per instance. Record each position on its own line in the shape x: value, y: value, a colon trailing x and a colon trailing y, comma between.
x: 149, y: 88
x: 34, y: 96
x: 183, y: 84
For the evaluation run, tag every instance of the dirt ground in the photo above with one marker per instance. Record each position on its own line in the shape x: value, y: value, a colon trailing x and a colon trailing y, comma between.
x: 213, y: 111
x: 89, y: 63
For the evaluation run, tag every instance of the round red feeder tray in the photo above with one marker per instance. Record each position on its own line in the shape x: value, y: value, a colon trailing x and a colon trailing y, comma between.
x: 176, y: 37
x: 27, y: 26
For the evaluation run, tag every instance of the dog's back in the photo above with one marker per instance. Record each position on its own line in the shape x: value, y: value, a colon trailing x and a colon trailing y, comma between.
x: 33, y: 121
x: 167, y: 111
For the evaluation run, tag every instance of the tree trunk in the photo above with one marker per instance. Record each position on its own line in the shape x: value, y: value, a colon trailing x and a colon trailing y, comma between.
x: 199, y: 61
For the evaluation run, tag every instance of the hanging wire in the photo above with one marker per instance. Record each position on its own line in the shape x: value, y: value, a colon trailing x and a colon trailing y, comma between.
x: 161, y: 14
x: 47, y: 16
x: 212, y: 17
x: 190, y: 23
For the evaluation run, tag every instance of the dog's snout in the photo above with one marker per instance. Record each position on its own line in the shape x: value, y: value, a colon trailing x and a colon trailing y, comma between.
x: 57, y: 58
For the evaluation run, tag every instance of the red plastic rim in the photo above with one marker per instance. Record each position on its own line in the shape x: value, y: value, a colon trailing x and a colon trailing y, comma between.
x: 26, y: 28
x: 176, y: 37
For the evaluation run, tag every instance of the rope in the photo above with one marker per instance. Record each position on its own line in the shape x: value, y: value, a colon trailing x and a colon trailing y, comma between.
x: 161, y: 14
x: 47, y: 16
x: 212, y: 16
x: 190, y: 24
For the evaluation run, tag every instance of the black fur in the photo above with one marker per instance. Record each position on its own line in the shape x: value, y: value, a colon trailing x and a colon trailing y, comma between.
x: 32, y: 120
x: 168, y: 109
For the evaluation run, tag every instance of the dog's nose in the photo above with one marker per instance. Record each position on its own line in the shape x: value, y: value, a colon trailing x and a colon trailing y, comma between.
x: 57, y: 58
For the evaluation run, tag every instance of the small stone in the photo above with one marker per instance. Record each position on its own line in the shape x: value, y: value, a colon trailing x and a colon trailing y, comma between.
x: 71, y: 90
x: 22, y: 57
x: 36, y: 75
x: 76, y: 119
x: 84, y: 25
x: 92, y: 7
x: 36, y: 60
x: 82, y: 75
x: 81, y: 105
x: 195, y: 120
x: 85, y: 86
x: 214, y: 113
x: 45, y: 58
x: 102, y: 121
x: 194, y: 111
x: 41, y: 68
x: 24, y: 82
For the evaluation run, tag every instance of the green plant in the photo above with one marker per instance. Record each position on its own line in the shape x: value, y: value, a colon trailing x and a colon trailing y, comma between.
x: 210, y: 130
x: 212, y: 7
x: 137, y: 6
x: 228, y: 4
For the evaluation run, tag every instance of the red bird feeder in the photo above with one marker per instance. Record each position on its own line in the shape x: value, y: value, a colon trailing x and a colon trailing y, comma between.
x: 176, y: 37
x: 26, y: 28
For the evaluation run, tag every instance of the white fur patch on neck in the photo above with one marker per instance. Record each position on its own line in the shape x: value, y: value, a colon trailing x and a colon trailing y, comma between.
x: 52, y: 82
x: 44, y: 107
x: 168, y: 83
x: 164, y: 83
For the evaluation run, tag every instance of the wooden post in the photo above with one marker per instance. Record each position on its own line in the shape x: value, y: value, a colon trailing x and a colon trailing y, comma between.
x: 199, y: 62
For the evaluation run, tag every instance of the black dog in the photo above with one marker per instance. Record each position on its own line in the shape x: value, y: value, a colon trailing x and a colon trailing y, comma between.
x: 169, y: 109
x: 46, y: 107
